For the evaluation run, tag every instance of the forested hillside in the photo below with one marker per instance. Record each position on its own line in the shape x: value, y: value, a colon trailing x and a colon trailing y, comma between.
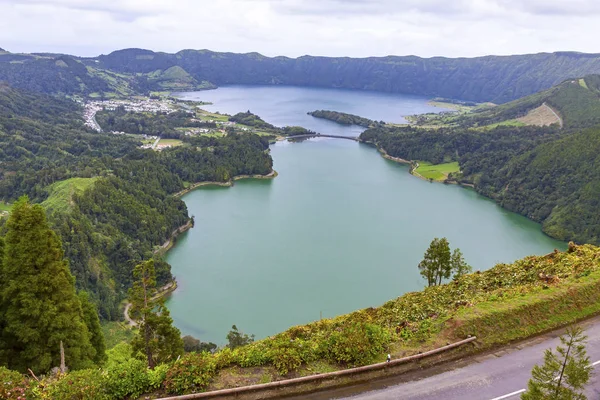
x: 492, y: 78
x: 550, y: 174
x: 110, y: 202
x: 575, y: 101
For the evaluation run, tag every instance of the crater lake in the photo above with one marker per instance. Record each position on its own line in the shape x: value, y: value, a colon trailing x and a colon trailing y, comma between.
x: 339, y: 229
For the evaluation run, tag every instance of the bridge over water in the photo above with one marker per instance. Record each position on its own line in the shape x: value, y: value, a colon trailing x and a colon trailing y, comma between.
x: 353, y: 138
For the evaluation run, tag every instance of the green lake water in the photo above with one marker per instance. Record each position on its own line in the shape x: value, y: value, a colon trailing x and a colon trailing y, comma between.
x: 339, y: 229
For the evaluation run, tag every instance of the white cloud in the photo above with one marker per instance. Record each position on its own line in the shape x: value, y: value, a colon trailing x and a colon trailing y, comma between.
x: 296, y: 27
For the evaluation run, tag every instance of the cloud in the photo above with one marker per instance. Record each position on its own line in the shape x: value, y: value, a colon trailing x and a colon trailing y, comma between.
x: 357, y: 28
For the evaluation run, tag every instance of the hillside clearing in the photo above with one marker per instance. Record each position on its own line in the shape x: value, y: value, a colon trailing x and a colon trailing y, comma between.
x: 541, y: 116
x: 437, y: 172
x: 61, y: 193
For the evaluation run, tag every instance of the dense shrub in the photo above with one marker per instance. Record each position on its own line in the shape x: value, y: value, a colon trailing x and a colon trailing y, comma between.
x: 357, y: 344
x: 127, y: 379
x: 13, y: 385
x: 157, y: 375
x: 88, y: 384
x: 192, y: 373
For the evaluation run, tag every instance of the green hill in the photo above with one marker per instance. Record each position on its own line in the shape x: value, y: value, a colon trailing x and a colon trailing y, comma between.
x: 498, y: 79
x: 492, y: 78
x: 61, y: 194
x: 176, y: 78
x: 573, y: 103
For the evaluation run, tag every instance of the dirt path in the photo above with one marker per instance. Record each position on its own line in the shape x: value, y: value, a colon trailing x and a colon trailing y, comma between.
x: 560, y: 121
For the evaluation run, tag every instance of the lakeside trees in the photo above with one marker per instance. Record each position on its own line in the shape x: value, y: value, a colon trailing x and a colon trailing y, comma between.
x: 439, y: 264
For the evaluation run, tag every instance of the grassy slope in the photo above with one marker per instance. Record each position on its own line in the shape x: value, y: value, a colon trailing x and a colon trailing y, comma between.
x: 61, y: 193
x: 438, y: 172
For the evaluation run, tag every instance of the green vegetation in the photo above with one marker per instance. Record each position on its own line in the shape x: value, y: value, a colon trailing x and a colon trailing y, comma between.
x: 157, y: 339
x: 547, y: 173
x: 39, y: 308
x: 438, y: 264
x: 115, y: 332
x: 505, y: 303
x: 110, y: 202
x: 250, y: 119
x: 477, y: 79
x: 5, y: 207
x: 438, y: 172
x: 342, y: 118
x: 172, y: 79
x: 152, y: 124
x: 564, y: 374
x: 61, y: 195
x: 169, y: 142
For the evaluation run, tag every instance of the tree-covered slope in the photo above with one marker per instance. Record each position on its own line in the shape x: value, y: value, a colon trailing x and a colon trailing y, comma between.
x: 110, y: 202
x: 575, y: 101
x: 562, y: 178
x: 549, y: 174
x: 491, y: 78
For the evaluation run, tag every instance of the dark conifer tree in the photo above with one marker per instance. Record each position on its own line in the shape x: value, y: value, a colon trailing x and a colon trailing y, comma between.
x: 90, y: 317
x: 40, y: 306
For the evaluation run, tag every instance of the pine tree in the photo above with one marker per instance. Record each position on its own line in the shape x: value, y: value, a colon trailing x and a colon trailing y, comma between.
x: 157, y: 339
x: 564, y: 374
x: 90, y: 317
x: 38, y: 300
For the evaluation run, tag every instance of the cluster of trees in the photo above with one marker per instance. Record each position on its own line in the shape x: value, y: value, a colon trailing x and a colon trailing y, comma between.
x: 439, y: 264
x: 343, y: 118
x: 154, y: 124
x: 249, y: 119
x: 41, y: 313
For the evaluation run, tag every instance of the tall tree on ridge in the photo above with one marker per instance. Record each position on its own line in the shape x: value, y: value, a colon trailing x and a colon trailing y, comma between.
x: 39, y: 304
x: 158, y: 340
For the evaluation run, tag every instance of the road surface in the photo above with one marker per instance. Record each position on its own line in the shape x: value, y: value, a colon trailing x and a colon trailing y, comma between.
x: 492, y: 376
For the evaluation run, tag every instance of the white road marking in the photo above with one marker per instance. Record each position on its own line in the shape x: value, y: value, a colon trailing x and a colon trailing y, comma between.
x: 506, y: 396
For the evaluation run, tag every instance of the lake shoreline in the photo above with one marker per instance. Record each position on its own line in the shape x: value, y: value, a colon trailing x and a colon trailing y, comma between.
x: 413, y: 167
x: 228, y: 183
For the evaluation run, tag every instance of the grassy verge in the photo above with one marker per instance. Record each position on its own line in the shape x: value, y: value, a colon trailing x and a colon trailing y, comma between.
x: 437, y: 172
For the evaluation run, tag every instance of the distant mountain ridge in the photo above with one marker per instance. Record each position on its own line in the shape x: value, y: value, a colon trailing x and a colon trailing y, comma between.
x: 497, y: 79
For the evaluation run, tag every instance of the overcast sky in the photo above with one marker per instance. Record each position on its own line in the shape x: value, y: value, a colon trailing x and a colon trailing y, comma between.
x: 293, y: 28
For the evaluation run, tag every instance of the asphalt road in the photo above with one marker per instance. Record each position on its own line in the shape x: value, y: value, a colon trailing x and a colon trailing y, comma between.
x: 493, y: 376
